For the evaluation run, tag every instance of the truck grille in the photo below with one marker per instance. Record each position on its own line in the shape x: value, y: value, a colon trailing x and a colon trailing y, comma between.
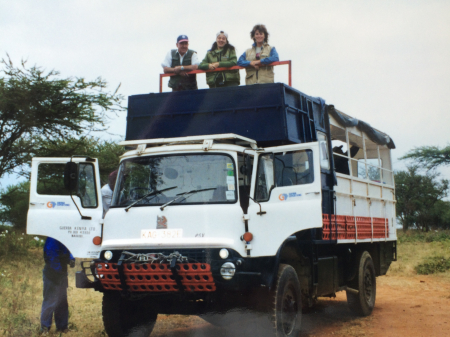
x: 195, y: 277
x: 193, y: 255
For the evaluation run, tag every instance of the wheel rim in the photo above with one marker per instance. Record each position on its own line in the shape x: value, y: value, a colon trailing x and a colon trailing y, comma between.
x: 368, y: 286
x: 289, y: 310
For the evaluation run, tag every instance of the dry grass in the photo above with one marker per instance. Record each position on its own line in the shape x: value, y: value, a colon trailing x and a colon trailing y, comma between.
x: 411, y: 254
x: 21, y: 299
x: 19, y: 293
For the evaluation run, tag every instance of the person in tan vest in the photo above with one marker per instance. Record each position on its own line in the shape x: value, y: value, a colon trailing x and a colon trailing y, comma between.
x: 258, y: 58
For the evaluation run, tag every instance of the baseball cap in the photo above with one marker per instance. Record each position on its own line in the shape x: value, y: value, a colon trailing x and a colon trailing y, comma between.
x: 222, y: 32
x: 182, y: 38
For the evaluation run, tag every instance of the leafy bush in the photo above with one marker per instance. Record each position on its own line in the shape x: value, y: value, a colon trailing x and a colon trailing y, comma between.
x: 15, y: 244
x: 14, y: 204
x: 436, y: 264
x: 419, y: 236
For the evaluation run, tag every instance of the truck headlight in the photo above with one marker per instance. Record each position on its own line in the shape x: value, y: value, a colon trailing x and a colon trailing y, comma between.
x: 228, y: 270
x: 108, y: 255
x: 224, y: 253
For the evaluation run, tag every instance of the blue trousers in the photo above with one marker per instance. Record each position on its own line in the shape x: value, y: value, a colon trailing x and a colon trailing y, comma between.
x: 55, y: 302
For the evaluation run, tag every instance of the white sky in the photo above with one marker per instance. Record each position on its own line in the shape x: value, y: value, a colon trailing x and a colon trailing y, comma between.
x: 384, y: 62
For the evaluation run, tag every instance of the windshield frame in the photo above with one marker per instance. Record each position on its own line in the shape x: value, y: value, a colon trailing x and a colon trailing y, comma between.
x: 196, y: 153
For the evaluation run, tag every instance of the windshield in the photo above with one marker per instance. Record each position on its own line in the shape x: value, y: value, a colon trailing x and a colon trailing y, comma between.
x: 139, y: 177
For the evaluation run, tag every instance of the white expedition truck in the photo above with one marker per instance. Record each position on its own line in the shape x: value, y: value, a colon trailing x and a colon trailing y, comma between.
x: 256, y: 198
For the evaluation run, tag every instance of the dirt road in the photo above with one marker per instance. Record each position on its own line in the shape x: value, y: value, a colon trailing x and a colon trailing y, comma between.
x: 405, y: 306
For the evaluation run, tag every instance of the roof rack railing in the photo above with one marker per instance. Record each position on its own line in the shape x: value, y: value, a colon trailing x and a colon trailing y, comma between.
x: 289, y: 63
x: 144, y: 143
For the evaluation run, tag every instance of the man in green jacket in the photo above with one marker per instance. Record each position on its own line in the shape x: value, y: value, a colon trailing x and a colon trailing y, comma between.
x: 180, y: 61
x: 221, y: 55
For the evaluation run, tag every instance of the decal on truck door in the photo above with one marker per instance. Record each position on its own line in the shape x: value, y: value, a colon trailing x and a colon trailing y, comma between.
x: 285, y: 196
x: 53, y: 204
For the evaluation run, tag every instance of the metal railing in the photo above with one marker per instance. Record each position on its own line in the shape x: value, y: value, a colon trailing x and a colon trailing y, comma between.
x: 288, y: 63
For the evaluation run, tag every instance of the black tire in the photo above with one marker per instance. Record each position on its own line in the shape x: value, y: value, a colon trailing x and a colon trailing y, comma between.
x: 286, y: 305
x: 363, y: 303
x: 122, y: 317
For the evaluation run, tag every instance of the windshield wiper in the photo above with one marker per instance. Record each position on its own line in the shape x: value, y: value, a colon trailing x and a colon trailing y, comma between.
x: 149, y: 195
x: 183, y: 194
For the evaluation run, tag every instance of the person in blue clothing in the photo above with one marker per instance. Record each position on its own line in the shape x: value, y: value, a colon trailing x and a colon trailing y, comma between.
x: 56, y: 257
x: 258, y: 58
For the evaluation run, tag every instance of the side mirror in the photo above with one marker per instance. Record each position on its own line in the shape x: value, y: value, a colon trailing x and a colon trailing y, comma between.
x: 70, y: 176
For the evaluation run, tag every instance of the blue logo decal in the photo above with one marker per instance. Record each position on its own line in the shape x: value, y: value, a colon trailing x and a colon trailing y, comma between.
x: 52, y: 204
x: 284, y: 197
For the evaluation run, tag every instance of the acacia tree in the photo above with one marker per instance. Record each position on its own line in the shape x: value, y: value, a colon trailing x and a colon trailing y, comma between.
x: 429, y: 156
x: 419, y: 199
x: 38, y: 107
x: 107, y: 152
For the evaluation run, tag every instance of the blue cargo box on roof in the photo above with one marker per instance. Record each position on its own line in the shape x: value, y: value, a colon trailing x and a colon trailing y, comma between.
x: 268, y: 113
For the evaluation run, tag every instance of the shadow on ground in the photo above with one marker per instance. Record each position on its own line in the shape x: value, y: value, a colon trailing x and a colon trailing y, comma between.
x: 327, y: 316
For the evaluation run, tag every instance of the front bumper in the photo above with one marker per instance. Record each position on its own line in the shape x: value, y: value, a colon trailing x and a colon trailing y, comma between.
x: 200, y: 274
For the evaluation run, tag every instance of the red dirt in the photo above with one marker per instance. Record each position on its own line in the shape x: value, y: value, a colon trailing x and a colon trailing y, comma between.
x: 405, y: 306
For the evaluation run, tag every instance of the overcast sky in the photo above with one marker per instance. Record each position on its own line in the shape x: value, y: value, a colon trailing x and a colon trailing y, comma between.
x: 384, y: 62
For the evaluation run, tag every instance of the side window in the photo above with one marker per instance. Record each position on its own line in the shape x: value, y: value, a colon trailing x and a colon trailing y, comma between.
x: 245, y: 169
x: 293, y: 168
x: 86, y: 189
x: 283, y: 169
x: 242, y: 175
x: 264, y: 178
x: 50, y: 181
x: 373, y: 171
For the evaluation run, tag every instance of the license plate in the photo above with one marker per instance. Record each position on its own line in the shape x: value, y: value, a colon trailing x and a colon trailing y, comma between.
x: 161, y: 233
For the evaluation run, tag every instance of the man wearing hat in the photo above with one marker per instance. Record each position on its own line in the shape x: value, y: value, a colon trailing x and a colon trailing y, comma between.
x: 180, y: 61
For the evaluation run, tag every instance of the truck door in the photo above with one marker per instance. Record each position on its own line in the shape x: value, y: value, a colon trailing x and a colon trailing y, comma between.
x: 53, y: 212
x: 286, y: 192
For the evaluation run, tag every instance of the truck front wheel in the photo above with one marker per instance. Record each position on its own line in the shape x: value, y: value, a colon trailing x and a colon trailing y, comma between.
x: 363, y: 302
x: 286, y: 306
x: 123, y: 317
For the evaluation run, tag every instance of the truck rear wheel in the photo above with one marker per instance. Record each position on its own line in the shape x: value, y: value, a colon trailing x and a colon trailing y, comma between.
x: 286, y: 306
x: 123, y: 317
x: 363, y: 303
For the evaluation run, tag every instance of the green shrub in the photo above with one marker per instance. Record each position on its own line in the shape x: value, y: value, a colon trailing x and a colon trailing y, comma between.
x: 16, y: 244
x: 419, y: 236
x: 436, y: 264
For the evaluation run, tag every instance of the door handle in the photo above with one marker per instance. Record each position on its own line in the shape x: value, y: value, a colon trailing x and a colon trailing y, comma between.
x: 312, y: 193
x: 36, y: 203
